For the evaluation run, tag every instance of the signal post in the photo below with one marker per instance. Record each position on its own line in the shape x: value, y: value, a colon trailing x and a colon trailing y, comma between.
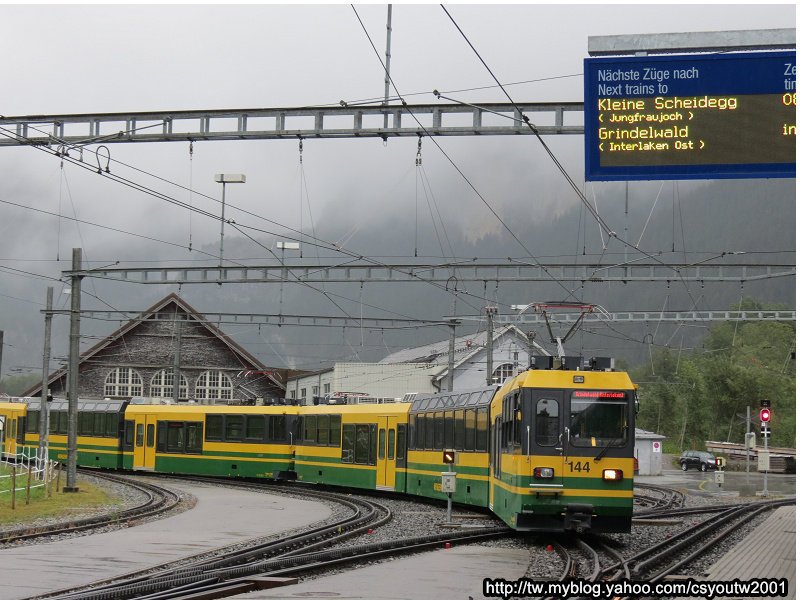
x: 763, y: 459
x: 449, y: 481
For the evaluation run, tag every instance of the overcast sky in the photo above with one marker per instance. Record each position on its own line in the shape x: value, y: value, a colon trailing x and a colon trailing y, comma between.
x: 97, y: 59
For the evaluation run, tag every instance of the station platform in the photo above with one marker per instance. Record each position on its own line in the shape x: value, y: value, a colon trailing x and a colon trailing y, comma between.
x: 766, y: 552
x: 454, y: 573
x: 221, y: 516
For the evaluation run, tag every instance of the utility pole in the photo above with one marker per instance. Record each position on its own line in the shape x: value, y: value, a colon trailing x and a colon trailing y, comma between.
x: 490, y: 312
x: 1, y: 353
x: 451, y: 356
x: 388, y: 60
x: 531, y: 335
x: 72, y: 379
x: 43, y: 406
x: 176, y: 365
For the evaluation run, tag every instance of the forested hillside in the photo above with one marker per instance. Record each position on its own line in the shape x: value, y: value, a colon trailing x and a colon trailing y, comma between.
x: 697, y: 396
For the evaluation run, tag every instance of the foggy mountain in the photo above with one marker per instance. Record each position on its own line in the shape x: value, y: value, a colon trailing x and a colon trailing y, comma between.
x: 689, y: 222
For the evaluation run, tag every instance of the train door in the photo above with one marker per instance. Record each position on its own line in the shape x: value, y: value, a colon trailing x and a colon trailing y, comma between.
x: 2, y: 435
x: 547, y: 440
x: 387, y: 453
x: 495, y: 456
x: 144, y: 444
x: 10, y: 437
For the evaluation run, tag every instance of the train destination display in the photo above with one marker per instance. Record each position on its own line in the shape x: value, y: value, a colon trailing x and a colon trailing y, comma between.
x: 703, y: 116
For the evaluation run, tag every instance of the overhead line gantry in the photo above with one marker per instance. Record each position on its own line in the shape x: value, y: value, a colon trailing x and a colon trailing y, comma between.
x: 357, y: 121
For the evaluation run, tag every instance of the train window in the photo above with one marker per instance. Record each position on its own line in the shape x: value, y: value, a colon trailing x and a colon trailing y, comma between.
x: 517, y: 416
x: 215, y: 426
x: 323, y: 431
x: 429, y: 431
x: 458, y: 430
x: 546, y: 424
x: 469, y: 430
x: 448, y: 430
x: 598, y: 419
x: 362, y: 444
x: 373, y: 439
x: 161, y: 437
x: 255, y: 428
x: 175, y: 436
x: 336, y: 430
x: 100, y: 423
x: 401, y: 445
x: 382, y: 444
x: 439, y: 429
x: 310, y: 429
x: 151, y: 435
x: 277, y: 428
x: 32, y: 422
x: 140, y: 435
x: 348, y: 443
x: 63, y: 422
x: 412, y: 430
x: 127, y: 443
x: 390, y: 450
x: 234, y: 428
x: 194, y: 438
x: 85, y: 422
x: 112, y: 424
x: 481, y: 430
x: 52, y: 425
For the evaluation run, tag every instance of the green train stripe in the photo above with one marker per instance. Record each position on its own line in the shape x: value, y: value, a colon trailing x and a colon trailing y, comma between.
x: 251, y: 455
x: 439, y: 468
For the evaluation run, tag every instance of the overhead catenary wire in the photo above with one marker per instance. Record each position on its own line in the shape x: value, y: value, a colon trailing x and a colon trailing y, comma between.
x: 447, y: 157
x: 169, y: 199
x: 558, y: 164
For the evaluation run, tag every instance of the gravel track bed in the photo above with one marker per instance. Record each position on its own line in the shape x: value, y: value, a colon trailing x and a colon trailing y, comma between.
x: 412, y: 518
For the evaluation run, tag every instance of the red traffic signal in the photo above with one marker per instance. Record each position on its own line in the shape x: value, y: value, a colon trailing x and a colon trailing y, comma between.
x: 765, y: 415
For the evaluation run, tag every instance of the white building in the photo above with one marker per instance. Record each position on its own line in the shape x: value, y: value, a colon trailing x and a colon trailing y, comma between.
x: 422, y: 370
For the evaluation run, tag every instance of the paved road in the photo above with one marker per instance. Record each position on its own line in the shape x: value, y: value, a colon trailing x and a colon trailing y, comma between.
x: 222, y: 516
x: 735, y: 482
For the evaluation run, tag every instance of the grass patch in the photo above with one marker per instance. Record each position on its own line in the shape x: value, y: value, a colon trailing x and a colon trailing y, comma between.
x: 89, y: 498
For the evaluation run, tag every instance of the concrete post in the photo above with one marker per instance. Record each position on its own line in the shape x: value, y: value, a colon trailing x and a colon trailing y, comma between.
x: 72, y: 385
x: 43, y: 406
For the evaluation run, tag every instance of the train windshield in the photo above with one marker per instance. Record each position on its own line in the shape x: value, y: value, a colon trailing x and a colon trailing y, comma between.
x: 598, y: 418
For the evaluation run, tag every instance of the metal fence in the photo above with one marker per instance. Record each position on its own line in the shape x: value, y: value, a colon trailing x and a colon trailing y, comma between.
x: 28, y: 472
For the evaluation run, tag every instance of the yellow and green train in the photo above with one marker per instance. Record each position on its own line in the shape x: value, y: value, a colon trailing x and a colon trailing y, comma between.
x: 549, y: 450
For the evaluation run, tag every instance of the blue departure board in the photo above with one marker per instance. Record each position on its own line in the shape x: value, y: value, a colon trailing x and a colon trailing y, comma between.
x: 703, y: 116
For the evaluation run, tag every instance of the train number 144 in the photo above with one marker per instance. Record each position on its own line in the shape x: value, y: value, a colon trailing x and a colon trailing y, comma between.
x: 580, y: 467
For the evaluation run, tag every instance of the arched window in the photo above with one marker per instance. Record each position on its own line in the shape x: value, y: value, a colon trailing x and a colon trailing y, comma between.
x: 161, y: 385
x: 213, y: 385
x: 503, y: 372
x: 123, y: 382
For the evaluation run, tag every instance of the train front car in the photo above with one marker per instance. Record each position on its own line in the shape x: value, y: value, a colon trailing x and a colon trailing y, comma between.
x: 562, y: 448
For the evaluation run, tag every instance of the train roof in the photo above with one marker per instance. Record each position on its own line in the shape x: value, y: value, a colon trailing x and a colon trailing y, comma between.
x: 210, y: 409
x: 59, y: 404
x: 448, y: 400
x: 388, y: 408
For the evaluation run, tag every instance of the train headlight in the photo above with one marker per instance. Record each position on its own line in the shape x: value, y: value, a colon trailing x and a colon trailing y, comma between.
x: 543, y: 473
x: 612, y: 474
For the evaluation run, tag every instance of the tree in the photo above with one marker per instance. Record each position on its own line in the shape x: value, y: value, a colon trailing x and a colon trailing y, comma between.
x: 698, y: 397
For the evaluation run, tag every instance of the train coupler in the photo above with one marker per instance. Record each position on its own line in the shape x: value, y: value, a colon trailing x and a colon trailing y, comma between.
x: 578, y: 517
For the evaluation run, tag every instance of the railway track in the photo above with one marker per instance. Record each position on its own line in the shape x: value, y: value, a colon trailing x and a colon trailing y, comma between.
x: 234, y: 570
x: 662, y: 559
x: 657, y: 498
x: 158, y: 500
